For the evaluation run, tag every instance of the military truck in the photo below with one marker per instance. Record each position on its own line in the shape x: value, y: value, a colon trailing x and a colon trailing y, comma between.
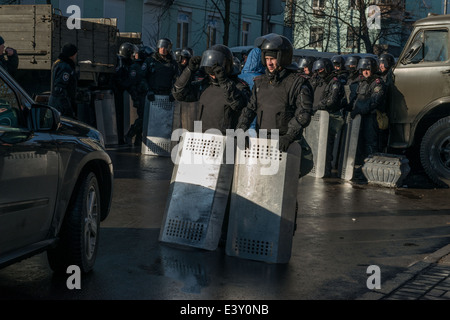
x: 419, y: 106
x: 38, y: 33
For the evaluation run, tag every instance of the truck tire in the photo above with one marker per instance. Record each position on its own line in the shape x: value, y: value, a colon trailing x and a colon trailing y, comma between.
x: 78, y: 241
x: 435, y: 152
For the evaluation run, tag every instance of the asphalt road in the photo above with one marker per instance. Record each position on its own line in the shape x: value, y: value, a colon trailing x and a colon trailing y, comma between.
x: 343, y: 228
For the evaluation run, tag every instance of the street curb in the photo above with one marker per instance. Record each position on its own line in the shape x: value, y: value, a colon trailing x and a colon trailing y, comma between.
x: 441, y: 255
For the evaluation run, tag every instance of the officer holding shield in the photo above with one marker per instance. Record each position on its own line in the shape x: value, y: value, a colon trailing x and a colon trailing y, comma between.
x: 280, y: 98
x: 221, y: 97
x: 371, y: 96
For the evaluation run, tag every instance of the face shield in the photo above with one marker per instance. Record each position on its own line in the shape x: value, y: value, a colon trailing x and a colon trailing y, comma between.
x: 211, y: 58
x: 164, y: 43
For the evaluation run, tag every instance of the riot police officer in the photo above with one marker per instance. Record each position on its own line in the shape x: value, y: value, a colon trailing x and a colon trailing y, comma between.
x: 385, y: 64
x: 122, y: 82
x: 328, y: 95
x: 138, y: 88
x: 162, y: 70
x: 339, y: 68
x: 182, y: 56
x: 280, y: 98
x: 371, y: 96
x: 64, y: 81
x: 353, y: 78
x: 305, y: 65
x: 9, y: 58
x: 221, y: 98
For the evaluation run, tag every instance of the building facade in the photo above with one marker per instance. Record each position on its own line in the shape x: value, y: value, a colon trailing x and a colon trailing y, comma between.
x: 357, y: 26
x: 197, y: 24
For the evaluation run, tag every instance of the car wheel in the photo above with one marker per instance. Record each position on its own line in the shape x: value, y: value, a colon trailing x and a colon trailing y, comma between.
x: 435, y: 152
x: 80, y: 230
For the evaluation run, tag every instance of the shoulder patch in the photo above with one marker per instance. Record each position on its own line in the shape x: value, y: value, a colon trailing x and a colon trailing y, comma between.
x: 66, y: 76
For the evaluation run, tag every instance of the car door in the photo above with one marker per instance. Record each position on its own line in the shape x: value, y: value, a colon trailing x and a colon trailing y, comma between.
x: 424, y: 78
x: 28, y: 173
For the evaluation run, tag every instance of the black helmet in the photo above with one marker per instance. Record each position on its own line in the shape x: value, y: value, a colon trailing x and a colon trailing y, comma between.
x: 127, y: 50
x: 352, y: 61
x: 145, y: 52
x: 368, y: 63
x: 306, y: 62
x: 236, y: 67
x: 388, y: 60
x: 182, y: 53
x: 338, y: 61
x: 164, y: 43
x: 190, y: 51
x: 278, y: 44
x: 323, y: 63
x: 218, y: 54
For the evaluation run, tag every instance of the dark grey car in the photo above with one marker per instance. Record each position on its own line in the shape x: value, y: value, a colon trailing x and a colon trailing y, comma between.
x: 55, y: 183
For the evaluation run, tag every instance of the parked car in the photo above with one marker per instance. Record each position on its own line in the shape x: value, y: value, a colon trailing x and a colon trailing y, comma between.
x: 56, y: 182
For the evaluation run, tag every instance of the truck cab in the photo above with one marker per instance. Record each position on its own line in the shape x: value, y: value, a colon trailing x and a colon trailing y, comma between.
x: 419, y: 106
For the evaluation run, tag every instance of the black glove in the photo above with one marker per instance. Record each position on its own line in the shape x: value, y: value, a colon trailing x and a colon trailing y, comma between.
x: 354, y: 113
x: 151, y: 96
x: 219, y: 73
x: 284, y: 142
x: 171, y: 98
x: 194, y: 63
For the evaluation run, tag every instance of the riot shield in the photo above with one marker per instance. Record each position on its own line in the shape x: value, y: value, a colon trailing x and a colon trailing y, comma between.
x: 105, y: 115
x: 316, y: 135
x: 198, y: 192
x: 349, y: 148
x: 263, y: 202
x: 157, y: 129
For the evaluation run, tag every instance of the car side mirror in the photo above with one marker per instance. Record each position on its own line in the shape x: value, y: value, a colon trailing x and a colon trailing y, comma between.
x: 412, y: 52
x: 45, y: 118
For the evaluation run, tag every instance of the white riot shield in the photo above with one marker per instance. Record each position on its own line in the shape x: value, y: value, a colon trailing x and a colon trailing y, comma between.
x: 158, y: 122
x: 348, y: 157
x: 198, y: 192
x: 105, y: 115
x: 316, y: 134
x: 263, y: 202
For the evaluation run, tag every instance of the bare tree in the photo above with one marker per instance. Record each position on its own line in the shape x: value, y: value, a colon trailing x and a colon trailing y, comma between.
x: 335, y: 18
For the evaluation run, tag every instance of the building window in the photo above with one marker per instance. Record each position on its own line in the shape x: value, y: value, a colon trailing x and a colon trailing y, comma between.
x: 245, y: 32
x: 183, y: 30
x: 318, y: 4
x: 316, y: 37
x: 352, y: 38
x: 211, y: 32
x: 354, y: 4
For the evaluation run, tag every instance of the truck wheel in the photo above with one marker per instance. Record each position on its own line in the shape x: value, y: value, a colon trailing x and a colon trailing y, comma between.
x: 435, y: 152
x: 80, y: 230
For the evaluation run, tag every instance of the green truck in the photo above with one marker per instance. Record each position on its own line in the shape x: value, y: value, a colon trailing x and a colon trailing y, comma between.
x: 38, y: 33
x: 419, y: 106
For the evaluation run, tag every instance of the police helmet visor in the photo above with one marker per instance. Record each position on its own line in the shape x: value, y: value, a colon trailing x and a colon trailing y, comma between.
x: 211, y: 58
x: 364, y: 64
x: 164, y: 43
x: 270, y: 41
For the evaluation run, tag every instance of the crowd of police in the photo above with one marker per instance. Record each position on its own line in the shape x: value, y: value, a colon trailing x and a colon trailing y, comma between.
x: 269, y: 90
